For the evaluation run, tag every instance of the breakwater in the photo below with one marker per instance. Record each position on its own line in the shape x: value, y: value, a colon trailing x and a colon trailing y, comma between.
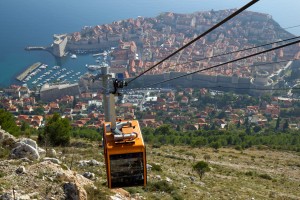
x: 30, y: 69
x: 31, y: 48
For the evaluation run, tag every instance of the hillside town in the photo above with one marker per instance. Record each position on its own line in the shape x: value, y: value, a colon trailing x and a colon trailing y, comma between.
x: 139, y: 43
x: 183, y: 108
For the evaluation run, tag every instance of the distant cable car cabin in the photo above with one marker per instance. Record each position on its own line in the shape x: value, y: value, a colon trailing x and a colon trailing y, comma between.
x: 125, y: 155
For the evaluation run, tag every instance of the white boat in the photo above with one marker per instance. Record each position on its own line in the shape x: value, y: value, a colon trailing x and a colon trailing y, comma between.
x: 56, y: 67
x: 93, y: 67
x: 73, y: 56
x: 43, y: 66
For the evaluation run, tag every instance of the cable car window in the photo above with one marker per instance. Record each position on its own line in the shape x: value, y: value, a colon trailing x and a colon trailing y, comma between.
x: 127, y: 170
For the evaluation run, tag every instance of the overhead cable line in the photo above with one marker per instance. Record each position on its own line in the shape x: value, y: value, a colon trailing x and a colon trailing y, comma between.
x: 215, y: 66
x: 198, y: 37
x: 292, y: 27
x: 237, y: 51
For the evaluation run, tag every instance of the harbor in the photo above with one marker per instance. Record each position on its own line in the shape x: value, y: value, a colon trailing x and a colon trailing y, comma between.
x: 29, y: 70
x: 69, y: 69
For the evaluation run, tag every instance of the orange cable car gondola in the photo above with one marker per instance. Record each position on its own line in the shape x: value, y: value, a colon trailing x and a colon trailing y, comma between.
x: 124, y: 147
x: 125, y: 156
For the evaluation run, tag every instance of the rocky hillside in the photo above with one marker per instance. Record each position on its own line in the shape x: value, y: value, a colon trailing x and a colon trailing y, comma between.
x: 28, y: 172
x: 78, y: 172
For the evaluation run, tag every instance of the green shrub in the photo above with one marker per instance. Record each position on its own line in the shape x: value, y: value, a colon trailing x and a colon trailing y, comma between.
x: 2, y: 174
x: 91, y: 134
x: 156, y: 167
x: 265, y: 176
x: 238, y: 148
x: 156, y: 146
x: 4, y: 153
x: 201, y: 167
x: 176, y: 196
x: 250, y: 173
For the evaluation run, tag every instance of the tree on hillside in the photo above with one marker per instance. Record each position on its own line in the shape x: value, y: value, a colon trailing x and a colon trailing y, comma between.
x: 201, y: 167
x: 164, y: 129
x: 57, y: 131
x: 285, y: 125
x: 38, y: 110
x: 277, y: 124
x: 8, y: 123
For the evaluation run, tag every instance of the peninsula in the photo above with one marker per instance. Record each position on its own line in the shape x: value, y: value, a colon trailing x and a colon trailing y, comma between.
x: 137, y: 44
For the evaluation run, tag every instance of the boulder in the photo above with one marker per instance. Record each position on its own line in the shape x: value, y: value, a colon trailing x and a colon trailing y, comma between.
x: 29, y: 142
x: 51, y: 153
x: 74, y: 191
x: 6, y: 196
x: 42, y: 152
x: 158, y: 177
x: 21, y: 170
x: 24, y: 150
x: 83, y: 163
x: 93, y: 162
x: 168, y: 180
x: 149, y: 167
x: 6, y: 139
x: 89, y: 175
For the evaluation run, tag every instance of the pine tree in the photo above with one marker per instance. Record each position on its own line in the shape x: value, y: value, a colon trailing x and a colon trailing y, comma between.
x: 8, y: 123
x: 277, y: 124
x: 285, y: 125
x: 57, y: 131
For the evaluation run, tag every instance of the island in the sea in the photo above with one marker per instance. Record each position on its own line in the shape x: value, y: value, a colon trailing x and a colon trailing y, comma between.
x: 136, y: 44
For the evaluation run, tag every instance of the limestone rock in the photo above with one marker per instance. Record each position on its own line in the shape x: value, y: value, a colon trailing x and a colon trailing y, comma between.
x: 54, y: 160
x: 51, y: 153
x: 93, y: 162
x: 29, y: 142
x: 7, y: 139
x: 73, y: 191
x: 6, y: 196
x: 21, y: 170
x: 149, y: 167
x: 168, y: 180
x: 121, y: 194
x: 89, y: 175
x: 24, y: 150
x: 158, y: 177
x: 192, y: 178
x: 42, y: 152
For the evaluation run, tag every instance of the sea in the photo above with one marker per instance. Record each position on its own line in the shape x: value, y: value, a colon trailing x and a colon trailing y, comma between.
x: 33, y: 23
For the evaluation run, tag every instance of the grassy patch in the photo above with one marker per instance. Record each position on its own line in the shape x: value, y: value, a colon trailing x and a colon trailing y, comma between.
x: 95, y: 193
x: 160, y: 186
x: 4, y: 153
x: 2, y: 174
x: 250, y: 173
x: 163, y: 186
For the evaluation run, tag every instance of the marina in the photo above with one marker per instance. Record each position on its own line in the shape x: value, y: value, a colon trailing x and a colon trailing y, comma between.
x: 68, y: 71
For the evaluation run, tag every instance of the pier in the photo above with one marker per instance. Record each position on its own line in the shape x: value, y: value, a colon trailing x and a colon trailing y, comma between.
x: 31, y: 48
x: 30, y: 69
